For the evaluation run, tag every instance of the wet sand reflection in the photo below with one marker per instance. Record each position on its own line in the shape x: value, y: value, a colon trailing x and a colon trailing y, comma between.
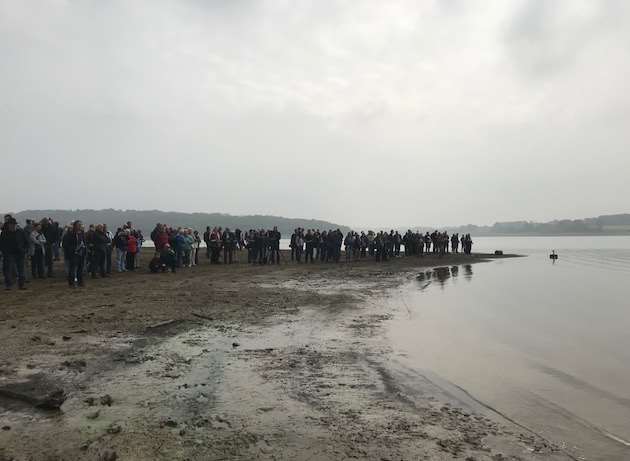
x: 442, y: 275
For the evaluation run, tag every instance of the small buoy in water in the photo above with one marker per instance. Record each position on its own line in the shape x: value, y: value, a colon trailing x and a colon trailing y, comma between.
x: 553, y: 255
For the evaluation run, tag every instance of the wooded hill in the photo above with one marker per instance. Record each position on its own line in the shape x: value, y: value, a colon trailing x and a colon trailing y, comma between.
x: 617, y: 224
x: 146, y: 220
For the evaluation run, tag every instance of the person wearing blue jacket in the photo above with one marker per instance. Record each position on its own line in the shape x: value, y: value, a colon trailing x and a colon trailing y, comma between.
x: 179, y: 244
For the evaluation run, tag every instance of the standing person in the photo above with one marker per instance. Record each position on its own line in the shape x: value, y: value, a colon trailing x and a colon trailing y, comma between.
x: 238, y: 239
x: 28, y: 228
x: 74, y: 250
x: 348, y: 244
x: 427, y: 243
x: 455, y: 243
x: 317, y: 237
x: 206, y: 239
x: 51, y: 233
x: 188, y: 246
x: 154, y: 236
x: 309, y: 240
x: 338, y: 243
x: 161, y: 238
x: 89, y: 243
x: 120, y: 242
x: 132, y: 250
x: 108, y: 249
x: 364, y: 244
x: 356, y: 246
x: 99, y: 251
x: 275, y: 245
x: 140, y: 240
x: 215, y: 246
x: 179, y: 243
x: 299, y: 245
x: 323, y: 245
x: 38, y: 249
x: 195, y: 249
x: 57, y: 244
x: 292, y: 244
x: 228, y: 246
x: 13, y: 245
x: 397, y: 242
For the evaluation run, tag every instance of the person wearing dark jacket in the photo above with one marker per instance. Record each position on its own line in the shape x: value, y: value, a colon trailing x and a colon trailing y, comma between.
x: 13, y: 245
x: 90, y: 258
x: 74, y: 251
x: 228, y: 246
x: 51, y: 232
x: 120, y: 242
x: 276, y: 236
x: 100, y: 243
x: 206, y: 239
x: 38, y: 251
x: 108, y: 249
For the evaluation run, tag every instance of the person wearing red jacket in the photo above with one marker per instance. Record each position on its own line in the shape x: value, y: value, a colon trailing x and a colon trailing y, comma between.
x: 132, y: 249
x: 160, y: 238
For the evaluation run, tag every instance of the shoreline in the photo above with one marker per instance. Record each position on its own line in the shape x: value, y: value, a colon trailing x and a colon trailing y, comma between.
x: 237, y: 362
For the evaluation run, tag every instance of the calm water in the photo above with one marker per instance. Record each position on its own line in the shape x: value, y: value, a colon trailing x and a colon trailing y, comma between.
x: 547, y: 344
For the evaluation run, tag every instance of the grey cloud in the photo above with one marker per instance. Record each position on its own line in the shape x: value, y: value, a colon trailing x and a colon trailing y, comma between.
x: 362, y: 112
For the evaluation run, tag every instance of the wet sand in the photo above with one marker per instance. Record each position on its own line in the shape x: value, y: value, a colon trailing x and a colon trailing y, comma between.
x: 238, y: 362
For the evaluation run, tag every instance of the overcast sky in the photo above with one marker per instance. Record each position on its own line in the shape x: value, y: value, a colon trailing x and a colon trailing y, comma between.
x: 361, y: 112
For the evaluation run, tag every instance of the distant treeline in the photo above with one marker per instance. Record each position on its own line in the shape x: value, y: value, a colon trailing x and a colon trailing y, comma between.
x: 147, y: 219
x: 618, y: 224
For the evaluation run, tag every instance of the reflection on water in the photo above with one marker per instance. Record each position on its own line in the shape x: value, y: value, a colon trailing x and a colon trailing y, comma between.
x: 546, y: 344
x: 442, y: 274
x: 468, y: 271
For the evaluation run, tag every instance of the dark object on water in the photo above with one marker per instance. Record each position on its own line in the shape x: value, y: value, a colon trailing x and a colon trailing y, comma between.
x: 498, y: 252
x: 553, y: 255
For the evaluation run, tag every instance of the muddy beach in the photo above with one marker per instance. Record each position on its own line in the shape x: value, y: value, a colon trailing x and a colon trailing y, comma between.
x: 238, y: 362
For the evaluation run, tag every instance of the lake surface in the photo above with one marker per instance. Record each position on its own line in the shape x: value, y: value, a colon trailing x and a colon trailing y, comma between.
x: 547, y: 344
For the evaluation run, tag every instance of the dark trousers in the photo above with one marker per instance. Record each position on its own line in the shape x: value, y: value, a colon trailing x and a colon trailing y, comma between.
x: 13, y: 263
x: 75, y: 269
x: 298, y: 254
x: 309, y: 253
x: 228, y: 252
x: 275, y: 253
x: 108, y: 260
x: 216, y: 253
x: 37, y: 262
x: 131, y: 261
x: 98, y: 262
x: 49, y: 258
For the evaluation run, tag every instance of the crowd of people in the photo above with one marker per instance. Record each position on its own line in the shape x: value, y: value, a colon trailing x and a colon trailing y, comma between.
x: 314, y: 245
x: 98, y: 251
